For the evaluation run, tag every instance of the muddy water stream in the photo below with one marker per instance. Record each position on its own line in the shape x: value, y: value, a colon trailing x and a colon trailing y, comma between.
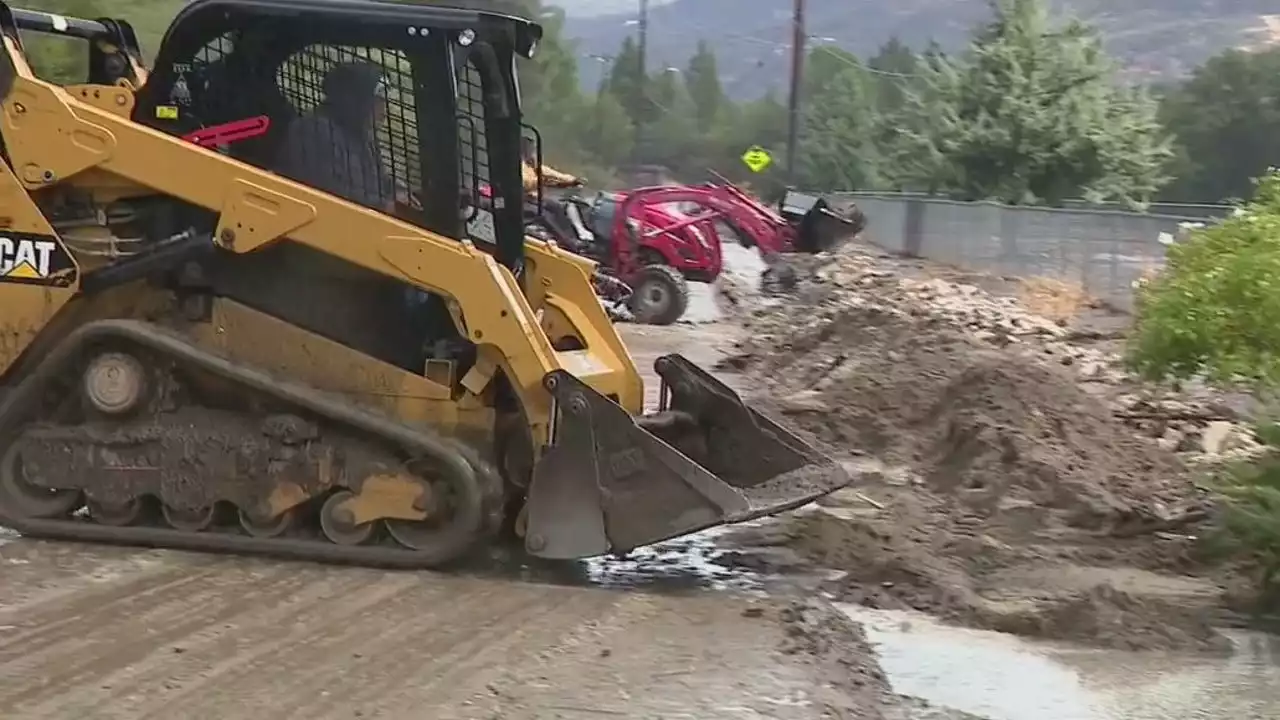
x: 1002, y: 677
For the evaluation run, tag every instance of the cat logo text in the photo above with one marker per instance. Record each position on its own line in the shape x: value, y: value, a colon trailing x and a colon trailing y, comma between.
x: 22, y: 259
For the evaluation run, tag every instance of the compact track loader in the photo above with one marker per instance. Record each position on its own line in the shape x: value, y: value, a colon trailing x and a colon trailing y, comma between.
x: 199, y: 349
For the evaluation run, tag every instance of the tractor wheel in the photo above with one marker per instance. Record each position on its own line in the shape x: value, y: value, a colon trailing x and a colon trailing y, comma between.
x: 660, y: 295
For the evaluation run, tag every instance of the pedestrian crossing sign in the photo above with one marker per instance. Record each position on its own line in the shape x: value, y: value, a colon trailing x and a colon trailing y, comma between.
x: 756, y: 158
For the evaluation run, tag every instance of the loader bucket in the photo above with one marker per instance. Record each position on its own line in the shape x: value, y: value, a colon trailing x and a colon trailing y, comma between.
x: 610, y: 483
x: 823, y: 227
x: 819, y: 223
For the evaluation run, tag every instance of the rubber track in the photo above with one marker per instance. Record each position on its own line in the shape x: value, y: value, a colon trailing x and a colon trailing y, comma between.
x: 27, y: 396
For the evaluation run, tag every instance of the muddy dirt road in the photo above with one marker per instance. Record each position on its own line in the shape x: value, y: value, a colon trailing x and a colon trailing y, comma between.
x: 138, y: 634
x: 128, y: 633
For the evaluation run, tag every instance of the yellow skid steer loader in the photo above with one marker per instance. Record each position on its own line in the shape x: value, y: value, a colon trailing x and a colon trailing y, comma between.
x: 251, y: 302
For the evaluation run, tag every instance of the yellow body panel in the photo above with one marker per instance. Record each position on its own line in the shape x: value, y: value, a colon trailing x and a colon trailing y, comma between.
x: 82, y: 136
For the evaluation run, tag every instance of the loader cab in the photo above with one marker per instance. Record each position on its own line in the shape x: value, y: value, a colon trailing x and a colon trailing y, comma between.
x: 244, y: 77
x: 449, y: 117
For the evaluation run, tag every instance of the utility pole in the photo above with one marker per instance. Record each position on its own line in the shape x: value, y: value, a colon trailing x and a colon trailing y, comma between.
x: 643, y: 22
x: 798, y: 37
x: 642, y: 47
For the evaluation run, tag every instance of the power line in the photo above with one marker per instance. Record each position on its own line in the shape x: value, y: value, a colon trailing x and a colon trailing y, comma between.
x: 780, y: 47
x: 797, y: 47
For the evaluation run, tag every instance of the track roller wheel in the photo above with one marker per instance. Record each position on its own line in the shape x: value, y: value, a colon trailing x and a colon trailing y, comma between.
x: 116, y: 514
x: 336, y: 522
x: 445, y: 523
x: 424, y: 534
x: 28, y: 499
x: 188, y: 519
x: 266, y: 527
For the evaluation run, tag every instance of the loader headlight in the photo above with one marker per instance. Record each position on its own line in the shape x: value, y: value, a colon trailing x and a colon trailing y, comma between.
x: 533, y: 48
x: 466, y: 37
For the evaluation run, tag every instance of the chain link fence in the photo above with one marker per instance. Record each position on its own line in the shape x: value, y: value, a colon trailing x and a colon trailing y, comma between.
x: 1103, y: 250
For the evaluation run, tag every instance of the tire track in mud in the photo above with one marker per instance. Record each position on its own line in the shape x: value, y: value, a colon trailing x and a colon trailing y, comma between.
x: 35, y: 572
x: 337, y: 673
x: 193, y: 636
x: 246, y: 635
x: 195, y: 668
x: 81, y: 649
x: 463, y: 657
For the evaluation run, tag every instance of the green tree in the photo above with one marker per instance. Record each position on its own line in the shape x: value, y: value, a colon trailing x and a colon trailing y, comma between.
x: 1029, y: 113
x: 894, y: 65
x: 837, y: 148
x: 702, y: 79
x: 1214, y: 311
x: 549, y: 85
x: 760, y: 122
x: 627, y: 82
x: 1226, y: 120
x: 610, y: 134
x: 663, y: 91
x: 672, y: 138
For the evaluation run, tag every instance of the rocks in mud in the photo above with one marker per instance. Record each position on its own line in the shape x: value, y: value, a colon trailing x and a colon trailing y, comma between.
x: 1022, y: 446
x: 854, y: 286
x: 1204, y: 431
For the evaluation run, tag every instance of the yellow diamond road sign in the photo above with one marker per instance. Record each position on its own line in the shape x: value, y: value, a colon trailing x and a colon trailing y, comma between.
x: 756, y: 158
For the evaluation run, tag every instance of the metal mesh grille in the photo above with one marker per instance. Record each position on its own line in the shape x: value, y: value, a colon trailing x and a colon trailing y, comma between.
x: 217, y: 49
x: 471, y: 136
x: 231, y: 80
x: 300, y: 80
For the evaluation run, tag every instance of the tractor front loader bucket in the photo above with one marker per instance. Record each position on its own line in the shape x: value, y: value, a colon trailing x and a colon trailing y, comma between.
x: 610, y: 483
x: 823, y: 228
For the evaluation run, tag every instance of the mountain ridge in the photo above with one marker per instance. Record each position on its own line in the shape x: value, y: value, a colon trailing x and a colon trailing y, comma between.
x: 1153, y: 40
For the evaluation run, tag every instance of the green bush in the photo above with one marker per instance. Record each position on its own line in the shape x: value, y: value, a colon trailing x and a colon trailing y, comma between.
x: 1214, y: 311
x: 1248, y: 526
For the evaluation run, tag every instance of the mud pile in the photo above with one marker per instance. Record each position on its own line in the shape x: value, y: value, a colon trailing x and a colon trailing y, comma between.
x: 1000, y: 469
x: 914, y: 382
x: 1201, y: 424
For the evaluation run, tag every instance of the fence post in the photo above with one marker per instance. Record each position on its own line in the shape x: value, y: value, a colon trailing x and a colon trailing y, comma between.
x: 913, y: 229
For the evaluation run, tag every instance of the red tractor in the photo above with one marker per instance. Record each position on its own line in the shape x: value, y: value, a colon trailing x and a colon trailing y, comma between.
x: 657, y: 239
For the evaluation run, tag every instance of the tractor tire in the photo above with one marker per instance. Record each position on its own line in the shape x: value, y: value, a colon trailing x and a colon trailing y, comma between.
x: 660, y: 295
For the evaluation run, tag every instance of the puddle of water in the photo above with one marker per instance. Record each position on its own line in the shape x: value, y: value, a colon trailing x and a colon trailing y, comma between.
x: 702, y: 561
x: 1003, y: 677
x: 684, y: 563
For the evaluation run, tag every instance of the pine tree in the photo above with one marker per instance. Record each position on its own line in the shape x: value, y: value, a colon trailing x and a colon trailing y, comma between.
x: 703, y: 81
x: 627, y: 83
x: 1029, y: 113
x: 837, y: 148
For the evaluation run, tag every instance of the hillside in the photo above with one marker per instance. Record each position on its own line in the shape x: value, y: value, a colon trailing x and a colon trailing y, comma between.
x: 1155, y: 39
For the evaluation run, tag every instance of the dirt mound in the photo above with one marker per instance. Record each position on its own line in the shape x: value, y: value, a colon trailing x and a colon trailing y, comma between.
x: 1012, y: 463
x: 901, y: 558
x: 1103, y: 614
x: 988, y: 427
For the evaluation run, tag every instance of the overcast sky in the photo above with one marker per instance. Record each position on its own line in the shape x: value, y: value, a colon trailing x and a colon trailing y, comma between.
x: 602, y: 7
